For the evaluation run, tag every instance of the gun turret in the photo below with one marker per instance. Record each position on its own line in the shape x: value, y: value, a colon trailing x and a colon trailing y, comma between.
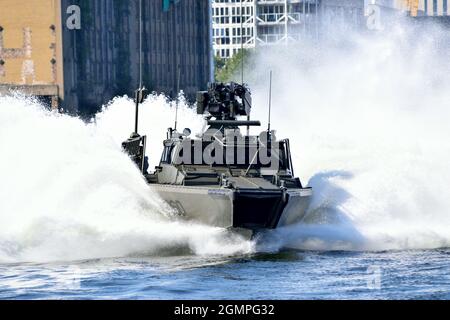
x: 224, y: 101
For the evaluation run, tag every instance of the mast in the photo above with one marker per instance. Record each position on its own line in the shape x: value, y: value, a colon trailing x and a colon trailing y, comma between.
x: 242, y: 43
x: 243, y: 58
x: 178, y: 97
x: 270, y: 101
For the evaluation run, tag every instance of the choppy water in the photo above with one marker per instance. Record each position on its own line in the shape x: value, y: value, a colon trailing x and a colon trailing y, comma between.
x: 368, y: 123
x: 284, y: 275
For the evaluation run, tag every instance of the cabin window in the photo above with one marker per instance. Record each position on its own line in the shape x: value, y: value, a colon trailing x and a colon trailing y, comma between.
x: 167, y: 155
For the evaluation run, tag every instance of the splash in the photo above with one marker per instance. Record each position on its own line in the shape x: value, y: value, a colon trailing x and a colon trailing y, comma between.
x: 368, y: 119
x: 368, y: 122
x: 68, y: 192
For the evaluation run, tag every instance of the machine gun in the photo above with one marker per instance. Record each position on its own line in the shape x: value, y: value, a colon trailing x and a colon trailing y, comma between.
x: 226, y: 102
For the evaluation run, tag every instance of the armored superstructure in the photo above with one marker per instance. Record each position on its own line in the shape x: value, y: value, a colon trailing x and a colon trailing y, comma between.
x: 224, y: 177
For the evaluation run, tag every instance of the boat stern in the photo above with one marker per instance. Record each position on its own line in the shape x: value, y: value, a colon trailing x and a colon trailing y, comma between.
x: 256, y: 209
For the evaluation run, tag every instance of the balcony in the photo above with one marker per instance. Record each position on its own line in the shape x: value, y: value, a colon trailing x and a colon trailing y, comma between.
x: 269, y: 2
x: 265, y: 39
x: 263, y: 2
x: 271, y: 18
x: 295, y: 17
x: 280, y: 18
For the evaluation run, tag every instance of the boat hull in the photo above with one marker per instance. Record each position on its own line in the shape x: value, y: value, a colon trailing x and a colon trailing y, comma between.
x: 241, y: 209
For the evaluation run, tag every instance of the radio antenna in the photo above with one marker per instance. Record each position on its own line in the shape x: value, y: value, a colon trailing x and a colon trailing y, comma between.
x: 242, y: 42
x: 139, y: 95
x: 178, y: 97
x: 243, y: 56
x: 140, y: 44
x: 270, y: 101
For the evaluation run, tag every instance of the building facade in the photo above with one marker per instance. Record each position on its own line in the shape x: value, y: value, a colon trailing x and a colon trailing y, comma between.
x: 285, y: 21
x: 416, y: 7
x: 275, y: 22
x: 264, y: 22
x: 432, y: 7
x: 230, y: 19
x: 82, y: 53
x: 30, y: 48
x: 271, y: 22
x: 341, y: 16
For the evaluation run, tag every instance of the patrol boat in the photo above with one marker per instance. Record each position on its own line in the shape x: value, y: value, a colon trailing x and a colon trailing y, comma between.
x: 222, y: 177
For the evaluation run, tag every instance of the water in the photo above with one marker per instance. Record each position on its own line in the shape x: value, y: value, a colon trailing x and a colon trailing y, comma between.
x: 368, y: 121
x: 285, y: 275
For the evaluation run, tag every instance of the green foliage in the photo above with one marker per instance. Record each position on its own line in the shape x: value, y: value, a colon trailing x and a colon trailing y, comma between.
x: 219, y: 64
x: 227, y: 70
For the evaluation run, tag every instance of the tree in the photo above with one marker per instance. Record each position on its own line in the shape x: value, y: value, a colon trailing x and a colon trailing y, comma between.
x: 227, y: 70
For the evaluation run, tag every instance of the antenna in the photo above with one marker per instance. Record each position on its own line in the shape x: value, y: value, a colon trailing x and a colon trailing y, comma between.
x: 178, y: 95
x: 243, y: 55
x: 135, y: 146
x: 242, y: 42
x: 139, y: 94
x: 270, y: 101
x: 140, y: 44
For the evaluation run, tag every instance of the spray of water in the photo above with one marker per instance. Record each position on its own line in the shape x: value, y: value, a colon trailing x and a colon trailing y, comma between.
x: 368, y: 119
x: 68, y: 192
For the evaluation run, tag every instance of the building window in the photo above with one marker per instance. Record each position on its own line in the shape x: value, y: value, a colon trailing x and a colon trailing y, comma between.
x: 435, y: 7
x: 445, y: 7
